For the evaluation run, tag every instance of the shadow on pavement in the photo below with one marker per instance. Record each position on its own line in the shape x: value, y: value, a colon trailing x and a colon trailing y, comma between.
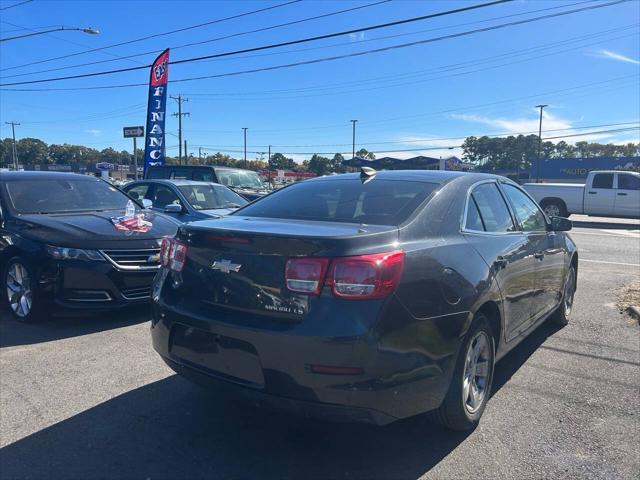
x: 173, y: 429
x: 13, y: 333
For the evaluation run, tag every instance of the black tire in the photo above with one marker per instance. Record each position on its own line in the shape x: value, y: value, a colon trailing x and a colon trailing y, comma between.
x: 454, y: 413
x: 554, y: 208
x: 35, y: 310
x: 563, y: 313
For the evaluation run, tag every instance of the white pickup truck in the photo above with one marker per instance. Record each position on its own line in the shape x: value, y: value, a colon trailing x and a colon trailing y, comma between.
x: 607, y: 193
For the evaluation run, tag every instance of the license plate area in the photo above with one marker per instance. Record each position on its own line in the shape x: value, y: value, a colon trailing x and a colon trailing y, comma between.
x: 217, y: 355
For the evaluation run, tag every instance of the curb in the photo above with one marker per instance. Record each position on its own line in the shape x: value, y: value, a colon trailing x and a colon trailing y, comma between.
x: 634, y: 311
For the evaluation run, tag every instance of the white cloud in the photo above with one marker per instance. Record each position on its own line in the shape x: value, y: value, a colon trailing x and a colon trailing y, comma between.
x: 357, y: 37
x: 516, y: 125
x: 94, y: 131
x: 602, y: 53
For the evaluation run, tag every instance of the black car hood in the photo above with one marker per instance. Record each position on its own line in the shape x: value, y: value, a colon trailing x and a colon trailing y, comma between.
x: 92, y: 230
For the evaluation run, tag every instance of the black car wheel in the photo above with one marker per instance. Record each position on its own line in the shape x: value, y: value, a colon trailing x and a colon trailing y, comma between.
x: 472, y: 379
x: 563, y: 313
x: 21, y: 290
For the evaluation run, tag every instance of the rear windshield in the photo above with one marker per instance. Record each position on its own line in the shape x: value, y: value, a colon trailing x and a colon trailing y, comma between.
x: 64, y: 195
x: 239, y: 179
x: 378, y: 202
x: 208, y: 197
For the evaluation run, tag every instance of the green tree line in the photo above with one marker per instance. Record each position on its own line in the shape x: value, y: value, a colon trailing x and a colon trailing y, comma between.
x: 514, y: 152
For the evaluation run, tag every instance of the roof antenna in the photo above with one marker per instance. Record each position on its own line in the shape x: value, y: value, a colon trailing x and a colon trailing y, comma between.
x: 367, y: 174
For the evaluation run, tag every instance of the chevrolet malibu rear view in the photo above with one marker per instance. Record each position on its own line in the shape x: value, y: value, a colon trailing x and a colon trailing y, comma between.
x: 366, y: 298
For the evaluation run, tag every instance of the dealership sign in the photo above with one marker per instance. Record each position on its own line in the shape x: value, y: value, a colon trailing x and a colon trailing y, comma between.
x: 579, y: 168
x: 154, y: 145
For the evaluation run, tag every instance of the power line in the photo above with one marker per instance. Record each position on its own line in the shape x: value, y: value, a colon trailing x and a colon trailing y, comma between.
x: 281, y: 44
x: 418, y: 73
x: 351, y: 42
x: 15, y: 5
x: 212, y: 22
x: 421, y: 149
x: 307, y: 62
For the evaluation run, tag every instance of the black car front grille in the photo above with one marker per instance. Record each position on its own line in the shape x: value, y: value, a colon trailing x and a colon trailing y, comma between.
x: 145, y: 259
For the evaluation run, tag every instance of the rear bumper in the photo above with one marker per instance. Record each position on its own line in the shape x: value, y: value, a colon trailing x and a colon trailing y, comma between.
x: 277, y: 374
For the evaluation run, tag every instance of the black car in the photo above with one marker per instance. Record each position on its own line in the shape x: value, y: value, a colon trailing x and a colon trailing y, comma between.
x: 68, y: 240
x: 364, y: 298
x: 244, y: 182
x: 186, y: 200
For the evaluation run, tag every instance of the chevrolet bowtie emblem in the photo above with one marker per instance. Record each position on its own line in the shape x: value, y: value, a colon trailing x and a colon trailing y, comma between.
x: 225, y: 266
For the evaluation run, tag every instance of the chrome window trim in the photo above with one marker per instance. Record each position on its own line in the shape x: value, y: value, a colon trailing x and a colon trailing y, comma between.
x: 463, y: 219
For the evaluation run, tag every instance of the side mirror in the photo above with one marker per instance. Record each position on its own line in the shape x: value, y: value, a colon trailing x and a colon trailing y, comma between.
x: 146, y: 203
x: 173, y: 208
x: 561, y: 224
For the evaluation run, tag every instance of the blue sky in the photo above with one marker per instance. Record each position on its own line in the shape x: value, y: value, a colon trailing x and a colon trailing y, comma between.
x: 585, y: 66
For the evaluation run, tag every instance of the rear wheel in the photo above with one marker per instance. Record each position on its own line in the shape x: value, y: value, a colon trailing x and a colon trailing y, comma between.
x: 472, y: 379
x: 554, y: 208
x: 563, y: 313
x: 21, y: 291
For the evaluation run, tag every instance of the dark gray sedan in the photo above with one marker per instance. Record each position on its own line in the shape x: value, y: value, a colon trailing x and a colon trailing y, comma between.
x: 186, y: 200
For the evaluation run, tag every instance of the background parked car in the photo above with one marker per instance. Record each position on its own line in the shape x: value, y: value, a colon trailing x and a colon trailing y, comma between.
x: 364, y: 299
x: 186, y: 200
x: 244, y: 182
x: 74, y: 241
x: 606, y: 193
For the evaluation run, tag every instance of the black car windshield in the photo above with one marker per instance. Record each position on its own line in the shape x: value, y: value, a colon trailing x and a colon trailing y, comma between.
x: 49, y: 195
x: 239, y: 179
x: 208, y: 197
x: 378, y: 202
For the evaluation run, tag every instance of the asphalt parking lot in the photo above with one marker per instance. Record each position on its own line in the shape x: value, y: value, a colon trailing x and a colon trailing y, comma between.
x: 87, y: 397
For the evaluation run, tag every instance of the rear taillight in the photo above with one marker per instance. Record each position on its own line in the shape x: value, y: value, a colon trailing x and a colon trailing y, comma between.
x: 356, y: 277
x: 165, y: 249
x: 306, y: 275
x: 173, y: 254
x: 366, y: 276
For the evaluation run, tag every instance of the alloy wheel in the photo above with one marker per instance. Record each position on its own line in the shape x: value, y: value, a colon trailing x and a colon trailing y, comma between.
x: 19, y: 293
x: 476, y: 372
x: 552, y: 210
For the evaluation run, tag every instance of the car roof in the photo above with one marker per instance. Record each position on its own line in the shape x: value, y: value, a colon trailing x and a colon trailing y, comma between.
x: 32, y: 175
x: 170, y: 181
x: 431, y: 176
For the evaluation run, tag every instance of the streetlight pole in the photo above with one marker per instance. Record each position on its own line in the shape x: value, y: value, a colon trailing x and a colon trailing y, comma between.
x: 244, y: 131
x: 89, y: 30
x: 541, y: 107
x: 353, y: 150
x: 14, y: 150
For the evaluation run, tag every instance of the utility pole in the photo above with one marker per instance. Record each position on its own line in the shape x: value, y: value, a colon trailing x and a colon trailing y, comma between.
x: 14, y: 150
x: 135, y: 159
x: 186, y: 156
x: 541, y: 107
x: 180, y: 114
x: 269, y: 165
x: 199, y: 155
x: 244, y: 130
x: 353, y: 152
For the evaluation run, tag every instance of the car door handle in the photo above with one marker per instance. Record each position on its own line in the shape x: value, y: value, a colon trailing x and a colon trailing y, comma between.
x: 539, y: 255
x: 501, y: 263
x: 593, y: 193
x: 622, y: 194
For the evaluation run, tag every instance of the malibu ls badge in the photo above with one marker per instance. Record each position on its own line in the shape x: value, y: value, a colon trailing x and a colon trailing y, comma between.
x: 225, y: 266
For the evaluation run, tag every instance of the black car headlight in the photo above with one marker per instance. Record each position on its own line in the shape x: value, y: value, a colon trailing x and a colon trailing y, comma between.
x: 64, y: 253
